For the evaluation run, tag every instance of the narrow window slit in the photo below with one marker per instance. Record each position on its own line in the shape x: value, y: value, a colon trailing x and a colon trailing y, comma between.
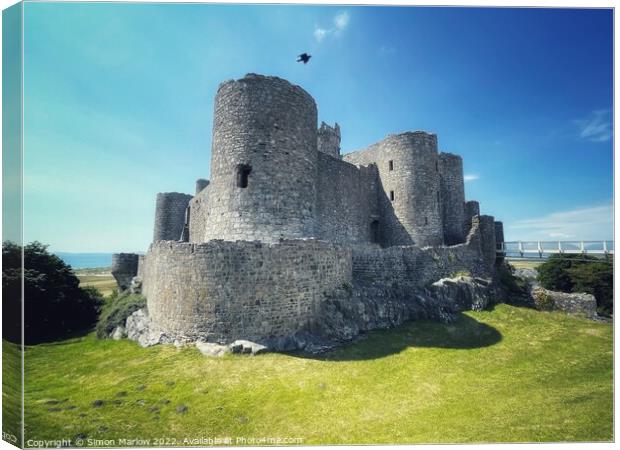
x: 392, y: 195
x: 243, y: 174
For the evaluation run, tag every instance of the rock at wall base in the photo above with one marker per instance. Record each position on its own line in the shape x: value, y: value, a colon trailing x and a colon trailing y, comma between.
x: 118, y: 333
x: 464, y: 292
x: 211, y: 349
x: 138, y: 329
x: 136, y: 286
x: 580, y: 304
x: 248, y: 347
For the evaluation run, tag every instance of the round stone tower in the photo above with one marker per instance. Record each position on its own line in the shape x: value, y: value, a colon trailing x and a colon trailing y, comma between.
x: 409, y: 171
x: 170, y: 216
x: 201, y: 183
x: 452, y: 187
x: 124, y: 268
x: 263, y: 162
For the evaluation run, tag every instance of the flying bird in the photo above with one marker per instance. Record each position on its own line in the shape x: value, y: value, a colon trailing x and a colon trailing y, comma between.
x: 304, y: 57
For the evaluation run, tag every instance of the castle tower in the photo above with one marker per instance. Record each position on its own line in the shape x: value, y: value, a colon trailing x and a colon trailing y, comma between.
x: 170, y: 216
x: 201, y: 183
x: 472, y: 209
x: 124, y: 268
x: 409, y: 175
x: 452, y: 188
x: 263, y: 162
x: 329, y: 139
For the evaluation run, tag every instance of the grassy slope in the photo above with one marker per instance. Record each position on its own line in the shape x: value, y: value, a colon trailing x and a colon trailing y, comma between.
x: 11, y: 391
x: 510, y: 374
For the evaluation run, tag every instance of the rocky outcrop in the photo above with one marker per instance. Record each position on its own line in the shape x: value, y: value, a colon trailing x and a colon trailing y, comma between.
x: 576, y: 303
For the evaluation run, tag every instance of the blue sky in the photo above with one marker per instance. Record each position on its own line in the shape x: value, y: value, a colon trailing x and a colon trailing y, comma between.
x: 119, y: 98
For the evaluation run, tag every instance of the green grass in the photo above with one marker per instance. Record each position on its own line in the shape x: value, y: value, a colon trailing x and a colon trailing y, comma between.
x: 506, y: 375
x: 104, y: 283
x: 11, y: 392
x: 524, y: 264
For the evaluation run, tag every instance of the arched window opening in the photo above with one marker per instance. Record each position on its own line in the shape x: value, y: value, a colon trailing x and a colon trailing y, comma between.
x: 243, y: 175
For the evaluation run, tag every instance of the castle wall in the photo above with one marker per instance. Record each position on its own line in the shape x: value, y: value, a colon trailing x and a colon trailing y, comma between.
x: 346, y: 201
x: 263, y: 162
x: 170, y: 215
x: 452, y: 188
x: 472, y: 209
x: 328, y: 140
x: 232, y: 290
x: 413, y: 216
x: 487, y: 239
x: 417, y: 267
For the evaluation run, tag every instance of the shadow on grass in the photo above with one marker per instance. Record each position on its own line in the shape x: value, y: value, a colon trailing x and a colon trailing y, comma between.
x: 465, y: 333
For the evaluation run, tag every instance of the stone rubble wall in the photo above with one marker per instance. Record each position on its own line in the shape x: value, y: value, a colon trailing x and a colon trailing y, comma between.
x: 472, y: 209
x: 224, y: 290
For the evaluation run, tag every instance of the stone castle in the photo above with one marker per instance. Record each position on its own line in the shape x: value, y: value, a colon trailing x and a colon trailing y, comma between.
x: 290, y: 238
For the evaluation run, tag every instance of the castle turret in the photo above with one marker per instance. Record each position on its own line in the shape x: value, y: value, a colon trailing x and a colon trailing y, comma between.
x: 170, y: 210
x: 263, y: 161
x: 472, y: 209
x: 452, y: 188
x: 409, y: 174
x: 124, y: 268
x: 487, y: 240
x: 329, y: 140
x: 201, y: 183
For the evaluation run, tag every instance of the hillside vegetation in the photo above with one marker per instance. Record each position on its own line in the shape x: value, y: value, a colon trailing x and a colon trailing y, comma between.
x: 506, y: 375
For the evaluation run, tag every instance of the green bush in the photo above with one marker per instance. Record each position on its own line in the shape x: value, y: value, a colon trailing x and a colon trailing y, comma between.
x: 116, y: 311
x: 580, y: 273
x: 508, y: 280
x: 55, y: 306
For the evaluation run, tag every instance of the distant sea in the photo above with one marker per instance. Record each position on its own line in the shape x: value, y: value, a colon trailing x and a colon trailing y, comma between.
x: 86, y: 260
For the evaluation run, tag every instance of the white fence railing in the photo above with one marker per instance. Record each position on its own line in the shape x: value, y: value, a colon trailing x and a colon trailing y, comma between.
x: 529, y: 249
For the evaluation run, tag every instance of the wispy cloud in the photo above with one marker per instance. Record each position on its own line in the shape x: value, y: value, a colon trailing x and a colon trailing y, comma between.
x: 471, y: 177
x: 595, y: 222
x: 597, y: 126
x: 340, y: 23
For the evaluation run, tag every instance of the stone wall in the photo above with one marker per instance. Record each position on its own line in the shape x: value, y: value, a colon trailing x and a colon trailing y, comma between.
x: 487, y: 239
x: 347, y: 201
x: 472, y: 209
x: 229, y: 290
x: 263, y: 162
x: 452, y: 188
x: 409, y: 174
x: 328, y: 140
x: 417, y: 267
x: 170, y: 216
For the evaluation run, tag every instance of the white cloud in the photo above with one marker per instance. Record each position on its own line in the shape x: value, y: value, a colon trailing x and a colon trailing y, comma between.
x: 591, y: 223
x: 341, y: 21
x: 597, y: 126
x: 471, y: 177
x: 320, y: 33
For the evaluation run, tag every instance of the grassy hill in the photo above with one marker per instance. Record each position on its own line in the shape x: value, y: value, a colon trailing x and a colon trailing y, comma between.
x: 505, y: 375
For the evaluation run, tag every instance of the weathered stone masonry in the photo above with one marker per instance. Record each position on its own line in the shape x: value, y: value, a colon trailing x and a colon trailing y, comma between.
x: 286, y: 225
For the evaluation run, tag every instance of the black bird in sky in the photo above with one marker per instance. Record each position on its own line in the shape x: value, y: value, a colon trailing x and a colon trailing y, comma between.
x: 304, y: 57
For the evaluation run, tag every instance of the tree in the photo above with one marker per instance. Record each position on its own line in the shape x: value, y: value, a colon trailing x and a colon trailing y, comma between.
x: 54, y: 304
x: 580, y: 273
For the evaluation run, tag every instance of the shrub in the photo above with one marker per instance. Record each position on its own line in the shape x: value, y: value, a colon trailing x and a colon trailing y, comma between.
x: 115, y: 312
x: 580, y: 273
x: 55, y: 306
